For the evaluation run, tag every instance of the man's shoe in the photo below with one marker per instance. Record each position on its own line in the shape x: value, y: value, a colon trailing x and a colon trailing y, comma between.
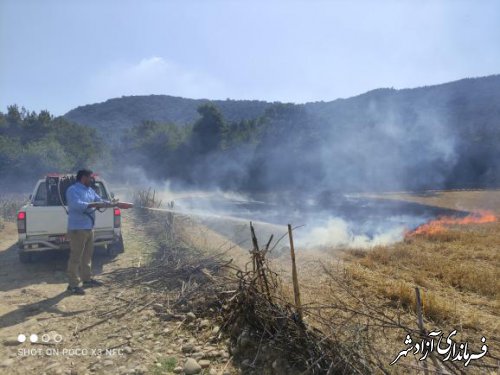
x: 92, y: 283
x: 76, y: 290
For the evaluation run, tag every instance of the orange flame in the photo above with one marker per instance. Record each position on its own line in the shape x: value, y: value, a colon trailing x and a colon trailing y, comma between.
x: 439, y: 225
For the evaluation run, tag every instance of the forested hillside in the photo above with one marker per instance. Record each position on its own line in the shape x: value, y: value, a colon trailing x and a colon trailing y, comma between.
x: 115, y: 115
x: 443, y: 136
x: 32, y: 144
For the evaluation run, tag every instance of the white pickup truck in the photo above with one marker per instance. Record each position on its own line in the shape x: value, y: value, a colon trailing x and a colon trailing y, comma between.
x: 42, y: 222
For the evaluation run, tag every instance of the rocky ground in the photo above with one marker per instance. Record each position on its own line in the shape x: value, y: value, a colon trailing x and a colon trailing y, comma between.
x: 34, y: 301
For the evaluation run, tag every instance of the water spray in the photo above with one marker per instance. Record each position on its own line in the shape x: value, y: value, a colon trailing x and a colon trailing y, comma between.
x: 212, y: 216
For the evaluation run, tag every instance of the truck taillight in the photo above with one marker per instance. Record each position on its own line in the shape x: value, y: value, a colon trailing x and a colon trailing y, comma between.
x: 21, y: 222
x: 117, y: 217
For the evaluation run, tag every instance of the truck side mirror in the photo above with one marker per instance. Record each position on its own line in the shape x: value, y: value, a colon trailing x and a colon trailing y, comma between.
x: 112, y: 194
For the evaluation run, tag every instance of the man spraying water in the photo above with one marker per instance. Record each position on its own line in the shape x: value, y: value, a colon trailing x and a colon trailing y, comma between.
x: 82, y: 202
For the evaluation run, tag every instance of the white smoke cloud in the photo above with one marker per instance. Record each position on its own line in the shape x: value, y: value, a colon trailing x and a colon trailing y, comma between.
x: 153, y: 75
x: 337, y: 232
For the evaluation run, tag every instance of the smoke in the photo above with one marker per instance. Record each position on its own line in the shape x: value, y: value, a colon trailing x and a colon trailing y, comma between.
x: 341, y: 221
x: 384, y: 140
x: 376, y: 142
x: 339, y: 233
x: 385, y: 147
x: 305, y: 158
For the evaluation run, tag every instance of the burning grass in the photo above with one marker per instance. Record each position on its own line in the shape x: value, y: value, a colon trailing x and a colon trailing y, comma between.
x: 358, y: 297
x: 441, y: 225
x: 454, y: 261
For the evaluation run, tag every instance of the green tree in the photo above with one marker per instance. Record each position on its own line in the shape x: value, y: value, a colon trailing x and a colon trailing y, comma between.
x: 210, y: 131
x: 33, y: 143
x: 13, y: 114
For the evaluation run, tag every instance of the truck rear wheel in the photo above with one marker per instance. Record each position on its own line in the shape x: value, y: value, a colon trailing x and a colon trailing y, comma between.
x: 25, y: 257
x: 116, y: 247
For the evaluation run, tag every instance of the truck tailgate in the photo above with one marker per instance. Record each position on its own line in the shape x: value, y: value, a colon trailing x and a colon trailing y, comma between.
x: 46, y: 220
x: 54, y: 220
x: 104, y: 220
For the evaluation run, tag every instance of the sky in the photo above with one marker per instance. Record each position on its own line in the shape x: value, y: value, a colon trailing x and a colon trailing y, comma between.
x: 58, y: 55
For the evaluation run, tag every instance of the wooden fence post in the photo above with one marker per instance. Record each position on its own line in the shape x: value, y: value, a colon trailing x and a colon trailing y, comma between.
x: 296, y: 289
x: 420, y: 318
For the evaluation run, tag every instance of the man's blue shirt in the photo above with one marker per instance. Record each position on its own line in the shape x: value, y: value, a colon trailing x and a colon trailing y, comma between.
x: 78, y: 197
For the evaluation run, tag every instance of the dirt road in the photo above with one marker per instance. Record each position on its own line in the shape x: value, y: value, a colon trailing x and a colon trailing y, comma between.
x: 34, y: 301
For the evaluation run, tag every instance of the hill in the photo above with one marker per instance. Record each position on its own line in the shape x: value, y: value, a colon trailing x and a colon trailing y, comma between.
x: 466, y: 100
x: 432, y: 137
x: 442, y: 135
x: 118, y: 114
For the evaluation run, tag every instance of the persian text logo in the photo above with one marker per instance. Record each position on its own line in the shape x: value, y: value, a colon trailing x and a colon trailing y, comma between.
x: 452, y: 351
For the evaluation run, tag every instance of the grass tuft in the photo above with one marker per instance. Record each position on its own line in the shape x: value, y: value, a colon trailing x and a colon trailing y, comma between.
x: 166, y: 366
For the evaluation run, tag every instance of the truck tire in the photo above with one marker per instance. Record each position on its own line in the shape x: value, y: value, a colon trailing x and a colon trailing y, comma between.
x: 120, y: 247
x: 25, y: 257
x: 116, y: 247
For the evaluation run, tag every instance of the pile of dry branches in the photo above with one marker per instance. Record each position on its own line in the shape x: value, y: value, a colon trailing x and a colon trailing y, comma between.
x: 267, y: 328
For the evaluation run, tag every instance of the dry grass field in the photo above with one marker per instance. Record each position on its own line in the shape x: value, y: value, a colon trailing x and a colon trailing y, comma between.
x: 361, y: 296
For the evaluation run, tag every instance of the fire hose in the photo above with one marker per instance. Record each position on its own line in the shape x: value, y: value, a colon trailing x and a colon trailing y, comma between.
x: 113, y: 203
